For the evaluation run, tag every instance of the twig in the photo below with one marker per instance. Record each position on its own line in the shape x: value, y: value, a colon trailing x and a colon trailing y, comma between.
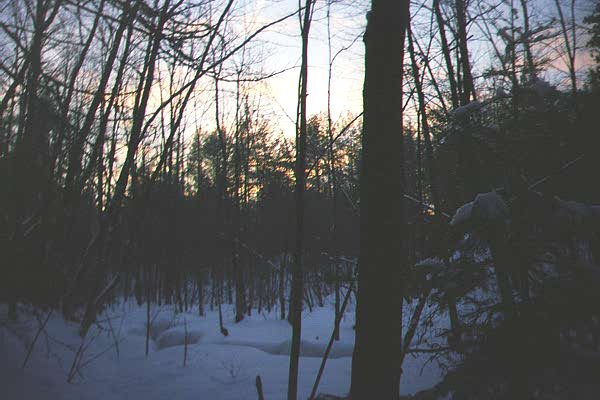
x: 428, y: 350
x: 96, y: 356
x: 344, y: 129
x: 330, y: 344
x: 76, y: 365
x: 37, y: 335
x: 112, y: 333
x: 414, y: 323
x: 564, y: 167
x: 428, y: 206
x: 255, y: 253
x: 73, y: 369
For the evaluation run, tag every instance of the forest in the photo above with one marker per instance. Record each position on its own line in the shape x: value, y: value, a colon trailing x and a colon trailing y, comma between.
x: 322, y: 199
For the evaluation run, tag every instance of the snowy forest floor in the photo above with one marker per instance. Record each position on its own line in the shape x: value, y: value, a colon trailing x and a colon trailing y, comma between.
x: 112, y: 363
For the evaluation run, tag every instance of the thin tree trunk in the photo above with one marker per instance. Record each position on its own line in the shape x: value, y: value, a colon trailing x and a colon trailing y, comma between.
x: 529, y: 69
x: 282, y: 269
x: 72, y: 79
x: 200, y: 293
x: 300, y: 174
x: 570, y: 47
x: 142, y: 97
x: 72, y: 191
x: 336, y: 328
x: 224, y: 331
x: 446, y: 52
x: 240, y: 291
x: 148, y: 321
x: 468, y: 91
x: 333, y: 179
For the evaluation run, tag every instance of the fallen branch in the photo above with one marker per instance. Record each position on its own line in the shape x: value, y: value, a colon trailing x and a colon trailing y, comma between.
x: 412, y: 326
x: 330, y: 344
x: 37, y: 335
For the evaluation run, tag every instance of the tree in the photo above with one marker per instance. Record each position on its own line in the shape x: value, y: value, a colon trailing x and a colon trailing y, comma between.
x: 468, y: 87
x: 594, y: 46
x: 30, y: 161
x: 300, y: 175
x: 382, y: 265
x: 446, y: 52
x: 570, y: 43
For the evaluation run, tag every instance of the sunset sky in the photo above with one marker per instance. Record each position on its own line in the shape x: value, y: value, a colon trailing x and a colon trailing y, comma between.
x: 278, y: 49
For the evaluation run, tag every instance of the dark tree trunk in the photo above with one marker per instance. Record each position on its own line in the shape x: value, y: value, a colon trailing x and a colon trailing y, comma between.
x: 240, y: 290
x: 282, y: 268
x: 468, y: 91
x: 300, y: 174
x: 201, y: 294
x: 446, y: 52
x: 76, y: 148
x: 382, y: 264
x: 529, y: 71
x: 141, y: 102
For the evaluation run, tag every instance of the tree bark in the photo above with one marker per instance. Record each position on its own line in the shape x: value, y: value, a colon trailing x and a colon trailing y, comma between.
x: 300, y: 173
x: 570, y: 48
x: 376, y: 365
x: 468, y: 88
x: 529, y: 69
x: 333, y: 180
x: 240, y: 290
x: 446, y: 52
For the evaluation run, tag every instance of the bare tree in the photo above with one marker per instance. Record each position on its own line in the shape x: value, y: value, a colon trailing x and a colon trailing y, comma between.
x: 305, y: 17
x: 446, y: 52
x: 468, y: 87
x: 570, y: 43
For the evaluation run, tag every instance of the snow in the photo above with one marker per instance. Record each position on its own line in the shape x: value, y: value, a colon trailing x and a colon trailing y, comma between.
x: 462, y: 215
x: 467, y: 109
x: 489, y: 206
x: 178, y: 337
x: 216, y: 368
x: 500, y: 93
x: 486, y: 207
x: 430, y: 263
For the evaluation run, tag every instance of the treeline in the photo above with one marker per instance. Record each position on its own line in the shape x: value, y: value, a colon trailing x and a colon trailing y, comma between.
x: 104, y: 191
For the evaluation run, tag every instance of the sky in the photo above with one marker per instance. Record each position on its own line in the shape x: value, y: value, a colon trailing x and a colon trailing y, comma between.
x: 281, y: 46
x: 279, y: 49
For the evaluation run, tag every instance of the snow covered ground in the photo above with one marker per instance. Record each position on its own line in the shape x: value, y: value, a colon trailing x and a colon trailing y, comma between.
x: 217, y: 367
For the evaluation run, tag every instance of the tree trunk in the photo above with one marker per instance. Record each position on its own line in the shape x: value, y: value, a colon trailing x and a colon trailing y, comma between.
x: 240, y: 290
x: 569, y: 47
x: 141, y: 102
x: 201, y: 293
x: 382, y: 265
x: 446, y: 51
x: 529, y: 68
x: 333, y: 180
x: 72, y: 180
x: 468, y: 91
x: 282, y: 268
x: 300, y: 173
